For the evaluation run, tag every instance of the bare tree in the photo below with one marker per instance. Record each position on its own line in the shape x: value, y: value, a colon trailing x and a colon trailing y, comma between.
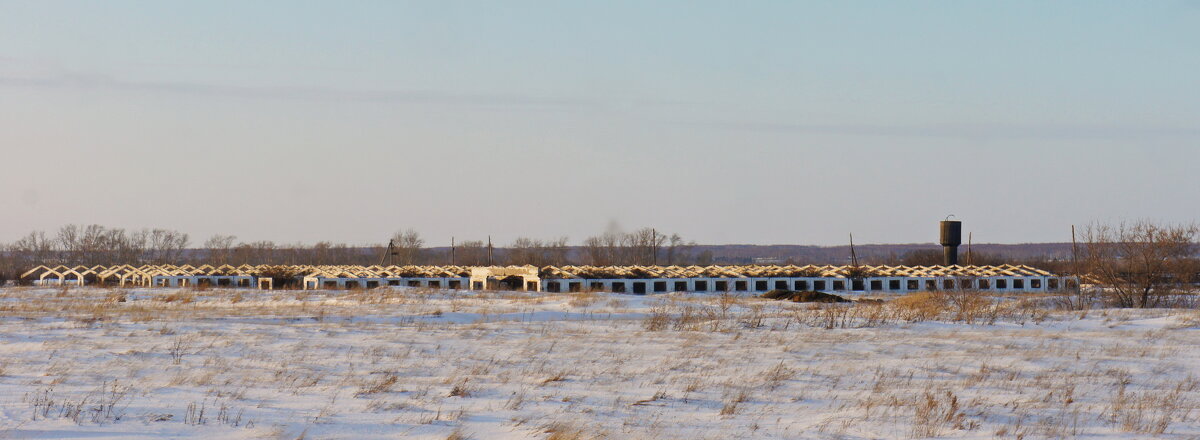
x: 1141, y: 264
x: 525, y: 250
x: 35, y: 248
x: 470, y: 253
x: 605, y: 250
x: 644, y: 245
x: 220, y: 248
x: 408, y: 246
x: 554, y: 252
x: 537, y: 252
x: 678, y: 250
x: 96, y: 244
x: 166, y: 246
x: 29, y: 251
x: 259, y: 252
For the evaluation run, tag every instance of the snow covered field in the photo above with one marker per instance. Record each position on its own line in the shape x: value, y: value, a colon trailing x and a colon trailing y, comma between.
x: 165, y: 363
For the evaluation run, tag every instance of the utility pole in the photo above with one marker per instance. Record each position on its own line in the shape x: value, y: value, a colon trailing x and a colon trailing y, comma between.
x: 853, y: 256
x: 388, y: 252
x: 970, y: 261
x: 1074, y: 253
x: 452, y: 248
x: 489, y: 250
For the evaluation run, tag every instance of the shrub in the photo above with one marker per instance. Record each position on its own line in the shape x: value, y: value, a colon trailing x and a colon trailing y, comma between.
x: 919, y: 306
x: 957, y: 305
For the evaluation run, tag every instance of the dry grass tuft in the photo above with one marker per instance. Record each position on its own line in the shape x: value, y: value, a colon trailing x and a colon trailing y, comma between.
x: 559, y: 430
x: 732, y: 401
x: 179, y: 296
x: 583, y: 299
x: 383, y: 384
x: 557, y: 377
x: 458, y: 434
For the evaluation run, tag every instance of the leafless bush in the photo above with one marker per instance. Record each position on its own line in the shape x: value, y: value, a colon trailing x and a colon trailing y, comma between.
x: 1076, y: 298
x: 41, y: 402
x: 179, y: 347
x: 956, y: 305
x: 1139, y: 264
x: 1150, y: 412
x: 969, y: 306
x: 195, y: 414
x: 919, y: 306
x: 753, y: 318
x: 106, y: 404
x: 658, y: 319
x: 226, y: 416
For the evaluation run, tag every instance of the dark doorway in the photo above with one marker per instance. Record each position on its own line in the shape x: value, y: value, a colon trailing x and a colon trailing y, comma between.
x: 513, y: 282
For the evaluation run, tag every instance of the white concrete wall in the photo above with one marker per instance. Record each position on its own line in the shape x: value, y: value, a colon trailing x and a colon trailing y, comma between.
x: 362, y: 283
x: 699, y: 285
x: 754, y: 285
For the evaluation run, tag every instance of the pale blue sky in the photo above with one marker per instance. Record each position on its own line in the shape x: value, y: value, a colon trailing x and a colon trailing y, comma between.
x: 728, y: 122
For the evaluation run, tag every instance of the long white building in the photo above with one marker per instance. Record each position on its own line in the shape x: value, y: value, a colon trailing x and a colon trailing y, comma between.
x: 621, y: 279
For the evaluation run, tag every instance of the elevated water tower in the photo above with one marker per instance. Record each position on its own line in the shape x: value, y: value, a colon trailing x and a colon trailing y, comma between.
x: 951, y: 238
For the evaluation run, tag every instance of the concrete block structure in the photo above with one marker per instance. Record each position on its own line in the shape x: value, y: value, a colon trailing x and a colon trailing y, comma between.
x: 620, y: 279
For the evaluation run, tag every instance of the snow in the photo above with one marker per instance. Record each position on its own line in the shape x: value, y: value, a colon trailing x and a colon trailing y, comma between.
x: 93, y: 363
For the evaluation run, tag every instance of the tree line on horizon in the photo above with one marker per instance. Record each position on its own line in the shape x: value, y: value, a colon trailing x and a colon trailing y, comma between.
x: 1140, y: 261
x: 75, y: 245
